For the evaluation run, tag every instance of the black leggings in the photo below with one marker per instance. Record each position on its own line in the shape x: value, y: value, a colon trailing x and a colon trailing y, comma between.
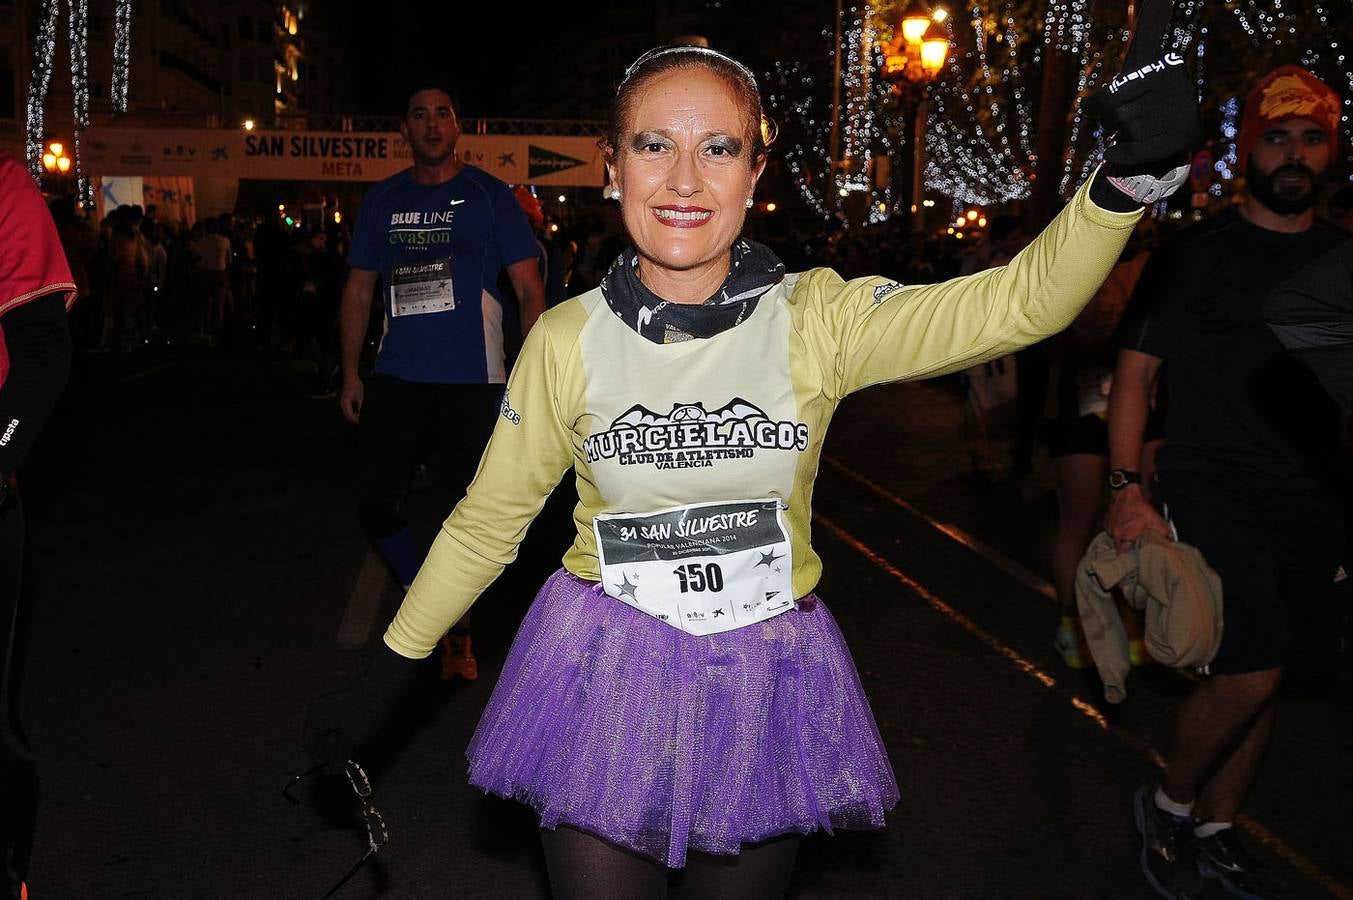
x: 582, y: 865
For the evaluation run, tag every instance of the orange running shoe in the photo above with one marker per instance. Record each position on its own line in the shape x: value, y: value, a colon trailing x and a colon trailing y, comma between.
x: 457, y: 658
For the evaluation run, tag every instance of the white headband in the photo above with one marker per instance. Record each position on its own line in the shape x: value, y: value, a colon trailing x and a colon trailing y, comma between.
x: 687, y: 48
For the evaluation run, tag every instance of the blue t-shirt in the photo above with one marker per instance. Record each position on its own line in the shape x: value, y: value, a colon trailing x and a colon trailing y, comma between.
x: 439, y: 250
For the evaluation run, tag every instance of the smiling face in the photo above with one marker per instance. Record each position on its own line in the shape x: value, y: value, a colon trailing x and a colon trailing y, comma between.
x: 685, y: 174
x: 430, y: 127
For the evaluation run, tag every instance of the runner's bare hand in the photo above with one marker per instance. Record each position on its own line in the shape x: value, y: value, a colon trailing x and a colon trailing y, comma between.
x: 1129, y: 516
x: 350, y: 398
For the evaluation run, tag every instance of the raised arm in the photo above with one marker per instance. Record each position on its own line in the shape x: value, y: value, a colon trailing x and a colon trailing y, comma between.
x: 887, y: 332
x: 1150, y: 112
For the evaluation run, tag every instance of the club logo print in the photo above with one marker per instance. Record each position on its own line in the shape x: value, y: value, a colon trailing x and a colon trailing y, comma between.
x: 689, y: 436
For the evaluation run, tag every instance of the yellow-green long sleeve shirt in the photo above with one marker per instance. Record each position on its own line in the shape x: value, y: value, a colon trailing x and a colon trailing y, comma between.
x: 739, y: 415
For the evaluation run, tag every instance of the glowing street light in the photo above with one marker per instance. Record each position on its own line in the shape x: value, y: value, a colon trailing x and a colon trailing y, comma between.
x: 915, y: 21
x: 912, y: 60
x: 55, y: 161
x: 248, y: 124
x: 934, y: 48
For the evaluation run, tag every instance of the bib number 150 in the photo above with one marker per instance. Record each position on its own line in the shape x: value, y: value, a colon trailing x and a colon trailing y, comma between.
x: 697, y: 578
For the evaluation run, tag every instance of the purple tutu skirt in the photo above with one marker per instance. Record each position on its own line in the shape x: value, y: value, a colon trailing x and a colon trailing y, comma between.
x: 609, y: 721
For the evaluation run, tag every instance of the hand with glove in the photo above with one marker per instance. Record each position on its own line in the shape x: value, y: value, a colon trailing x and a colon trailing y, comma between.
x: 337, y: 724
x: 1150, y: 112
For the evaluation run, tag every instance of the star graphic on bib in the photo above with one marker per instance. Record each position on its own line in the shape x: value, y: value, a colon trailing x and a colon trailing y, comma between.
x: 768, y: 558
x: 627, y: 587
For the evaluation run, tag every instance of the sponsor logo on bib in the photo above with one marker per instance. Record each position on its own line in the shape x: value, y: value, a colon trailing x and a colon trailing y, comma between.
x: 689, y: 436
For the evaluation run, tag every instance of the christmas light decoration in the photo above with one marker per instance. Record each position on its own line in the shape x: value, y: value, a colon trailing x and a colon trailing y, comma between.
x: 792, y: 99
x: 78, y: 33
x: 857, y: 121
x: 44, y: 52
x: 44, y: 49
x: 1066, y: 25
x: 963, y: 162
x: 978, y: 116
x: 122, y: 45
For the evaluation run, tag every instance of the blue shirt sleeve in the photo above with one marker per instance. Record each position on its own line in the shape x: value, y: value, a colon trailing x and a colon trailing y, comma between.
x: 512, y: 232
x: 367, y: 236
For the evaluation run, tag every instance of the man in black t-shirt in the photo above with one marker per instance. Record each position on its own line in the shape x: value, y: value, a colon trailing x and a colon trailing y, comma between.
x: 1312, y: 315
x: 1245, y: 475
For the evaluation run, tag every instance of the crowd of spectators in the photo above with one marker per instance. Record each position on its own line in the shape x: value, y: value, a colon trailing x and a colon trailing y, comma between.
x: 231, y: 282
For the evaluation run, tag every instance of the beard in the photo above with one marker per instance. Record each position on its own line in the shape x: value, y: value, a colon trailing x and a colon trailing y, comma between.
x: 1287, y: 200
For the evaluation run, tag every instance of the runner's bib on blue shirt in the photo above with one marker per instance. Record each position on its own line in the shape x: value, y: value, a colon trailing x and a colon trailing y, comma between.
x: 439, y: 251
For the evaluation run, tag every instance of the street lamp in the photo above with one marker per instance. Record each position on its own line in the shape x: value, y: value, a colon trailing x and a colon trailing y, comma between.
x: 911, y: 63
x: 55, y: 161
x: 915, y: 21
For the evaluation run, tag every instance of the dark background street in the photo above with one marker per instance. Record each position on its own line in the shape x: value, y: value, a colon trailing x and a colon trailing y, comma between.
x: 194, y: 550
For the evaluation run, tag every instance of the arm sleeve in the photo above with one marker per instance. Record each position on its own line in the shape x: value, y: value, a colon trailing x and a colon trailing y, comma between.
x: 885, y: 332
x: 1312, y: 316
x: 37, y: 341
x: 528, y: 454
x: 364, y: 252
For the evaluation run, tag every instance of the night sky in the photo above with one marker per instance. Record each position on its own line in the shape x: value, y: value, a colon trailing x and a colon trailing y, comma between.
x: 481, y: 47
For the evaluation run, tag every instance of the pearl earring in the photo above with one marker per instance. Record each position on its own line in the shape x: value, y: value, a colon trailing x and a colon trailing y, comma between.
x: 750, y: 203
x: 615, y: 193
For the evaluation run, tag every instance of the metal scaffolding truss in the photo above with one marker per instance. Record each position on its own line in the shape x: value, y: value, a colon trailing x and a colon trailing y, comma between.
x: 544, y: 127
x: 339, y: 122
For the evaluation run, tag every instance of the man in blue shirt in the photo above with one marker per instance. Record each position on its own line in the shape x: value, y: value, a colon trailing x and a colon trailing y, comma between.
x: 436, y: 236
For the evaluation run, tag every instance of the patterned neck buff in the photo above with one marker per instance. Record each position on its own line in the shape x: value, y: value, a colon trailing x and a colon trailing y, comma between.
x: 754, y: 270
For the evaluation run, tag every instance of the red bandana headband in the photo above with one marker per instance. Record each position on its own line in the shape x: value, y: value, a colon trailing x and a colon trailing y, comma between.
x: 1288, y: 92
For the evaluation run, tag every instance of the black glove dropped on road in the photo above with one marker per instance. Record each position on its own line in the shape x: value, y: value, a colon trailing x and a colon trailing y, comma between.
x: 338, y: 723
x: 1150, y: 111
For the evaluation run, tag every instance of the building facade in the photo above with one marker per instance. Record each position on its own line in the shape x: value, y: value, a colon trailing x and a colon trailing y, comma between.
x: 200, y: 63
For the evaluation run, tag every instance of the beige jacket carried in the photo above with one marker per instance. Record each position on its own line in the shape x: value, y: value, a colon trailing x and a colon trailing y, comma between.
x: 1168, y: 579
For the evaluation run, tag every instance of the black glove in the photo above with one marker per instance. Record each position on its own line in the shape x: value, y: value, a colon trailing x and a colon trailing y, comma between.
x: 1151, y: 112
x: 338, y: 723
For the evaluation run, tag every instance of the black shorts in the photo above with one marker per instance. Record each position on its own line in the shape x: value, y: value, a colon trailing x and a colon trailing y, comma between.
x: 1283, y: 561
x: 1089, y: 434
x: 404, y: 423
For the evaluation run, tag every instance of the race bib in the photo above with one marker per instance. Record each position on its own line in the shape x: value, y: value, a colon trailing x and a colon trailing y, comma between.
x: 705, y: 568
x: 420, y: 288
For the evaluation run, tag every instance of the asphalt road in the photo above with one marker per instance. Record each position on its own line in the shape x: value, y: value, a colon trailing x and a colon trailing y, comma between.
x: 194, y: 551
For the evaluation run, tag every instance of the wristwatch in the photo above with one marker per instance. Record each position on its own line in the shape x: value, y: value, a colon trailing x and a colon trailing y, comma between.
x: 1121, y: 478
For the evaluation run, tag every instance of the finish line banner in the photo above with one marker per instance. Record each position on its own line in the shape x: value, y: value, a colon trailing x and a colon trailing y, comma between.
x: 329, y: 155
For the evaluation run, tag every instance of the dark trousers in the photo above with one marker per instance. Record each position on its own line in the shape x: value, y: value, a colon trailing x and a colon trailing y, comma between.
x: 404, y: 423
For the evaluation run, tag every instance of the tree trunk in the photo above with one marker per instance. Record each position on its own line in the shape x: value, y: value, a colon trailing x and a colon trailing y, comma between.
x: 1054, y: 109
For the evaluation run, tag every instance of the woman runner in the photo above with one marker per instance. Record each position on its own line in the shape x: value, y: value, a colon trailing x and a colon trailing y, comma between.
x: 676, y: 692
